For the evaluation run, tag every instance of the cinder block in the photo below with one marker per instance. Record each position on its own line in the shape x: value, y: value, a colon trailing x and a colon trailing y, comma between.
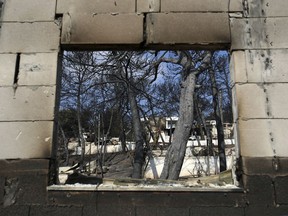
x: 145, y: 6
x: 251, y: 101
x: 7, y: 69
x: 29, y: 10
x: 269, y: 210
x: 261, y: 100
x: 89, y: 210
x: 102, y: 29
x: 188, y: 28
x: 25, y: 188
x: 73, y: 198
x: 278, y: 100
x: 263, y: 137
x: 33, y: 188
x: 186, y: 200
x: 172, y: 211
x: 216, y: 211
x: 95, y: 6
x: 281, y: 188
x: 254, y: 138
x: 279, y: 137
x: 127, y: 210
x: 147, y: 210
x: 238, y: 67
x: 236, y: 6
x: 267, y: 65
x: 259, y: 191
x: 259, y: 33
x: 56, y: 210
x: 27, y: 103
x: 38, y: 69
x: 239, y: 33
x: 19, y: 166
x: 268, y: 8
x: 265, y: 166
x: 29, y: 37
x: 195, y: 6
x: 15, y: 210
x: 26, y: 139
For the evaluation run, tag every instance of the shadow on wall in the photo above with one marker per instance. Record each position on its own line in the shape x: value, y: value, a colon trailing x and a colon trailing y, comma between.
x: 1, y: 6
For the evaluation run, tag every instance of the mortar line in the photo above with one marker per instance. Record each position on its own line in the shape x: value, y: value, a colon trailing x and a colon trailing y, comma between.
x: 274, y: 192
x: 29, y: 210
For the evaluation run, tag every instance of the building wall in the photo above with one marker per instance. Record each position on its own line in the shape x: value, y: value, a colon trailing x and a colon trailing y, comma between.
x: 32, y: 34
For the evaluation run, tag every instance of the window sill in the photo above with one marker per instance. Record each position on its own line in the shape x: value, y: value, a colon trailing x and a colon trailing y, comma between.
x: 153, y: 188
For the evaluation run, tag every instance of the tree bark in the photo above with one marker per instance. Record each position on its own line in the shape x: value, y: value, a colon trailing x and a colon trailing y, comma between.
x: 65, y: 144
x: 139, y: 140
x: 99, y: 150
x: 176, y: 151
x: 219, y: 124
x: 80, y: 130
x: 122, y: 137
x: 208, y: 134
x: 106, y: 138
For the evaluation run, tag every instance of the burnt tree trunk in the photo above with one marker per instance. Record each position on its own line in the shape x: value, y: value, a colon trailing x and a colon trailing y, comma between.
x: 80, y: 129
x: 203, y: 122
x: 176, y: 151
x: 106, y: 138
x: 65, y: 145
x: 219, y: 123
x: 122, y: 137
x: 210, y: 149
x: 139, y: 140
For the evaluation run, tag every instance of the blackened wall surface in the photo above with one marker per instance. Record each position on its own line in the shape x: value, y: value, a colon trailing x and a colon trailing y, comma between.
x: 23, y: 191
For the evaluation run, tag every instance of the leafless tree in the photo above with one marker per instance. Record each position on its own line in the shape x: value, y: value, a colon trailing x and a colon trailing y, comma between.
x: 191, y: 66
x: 214, y: 96
x: 132, y: 70
x: 78, y: 79
x: 122, y: 80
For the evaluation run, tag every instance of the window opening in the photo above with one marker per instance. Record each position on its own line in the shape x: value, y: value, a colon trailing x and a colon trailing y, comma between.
x: 146, y: 117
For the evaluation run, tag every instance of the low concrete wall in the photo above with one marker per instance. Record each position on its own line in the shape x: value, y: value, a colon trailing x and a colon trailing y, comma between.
x: 24, y: 192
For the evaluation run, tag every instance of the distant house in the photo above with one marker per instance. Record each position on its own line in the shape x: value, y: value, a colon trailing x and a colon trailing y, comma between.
x: 161, y: 129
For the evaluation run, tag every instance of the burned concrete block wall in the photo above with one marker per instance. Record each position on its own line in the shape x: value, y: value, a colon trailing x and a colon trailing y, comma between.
x: 29, y: 45
x: 148, y: 24
x: 259, y: 47
x: 31, y: 34
x: 261, y: 75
